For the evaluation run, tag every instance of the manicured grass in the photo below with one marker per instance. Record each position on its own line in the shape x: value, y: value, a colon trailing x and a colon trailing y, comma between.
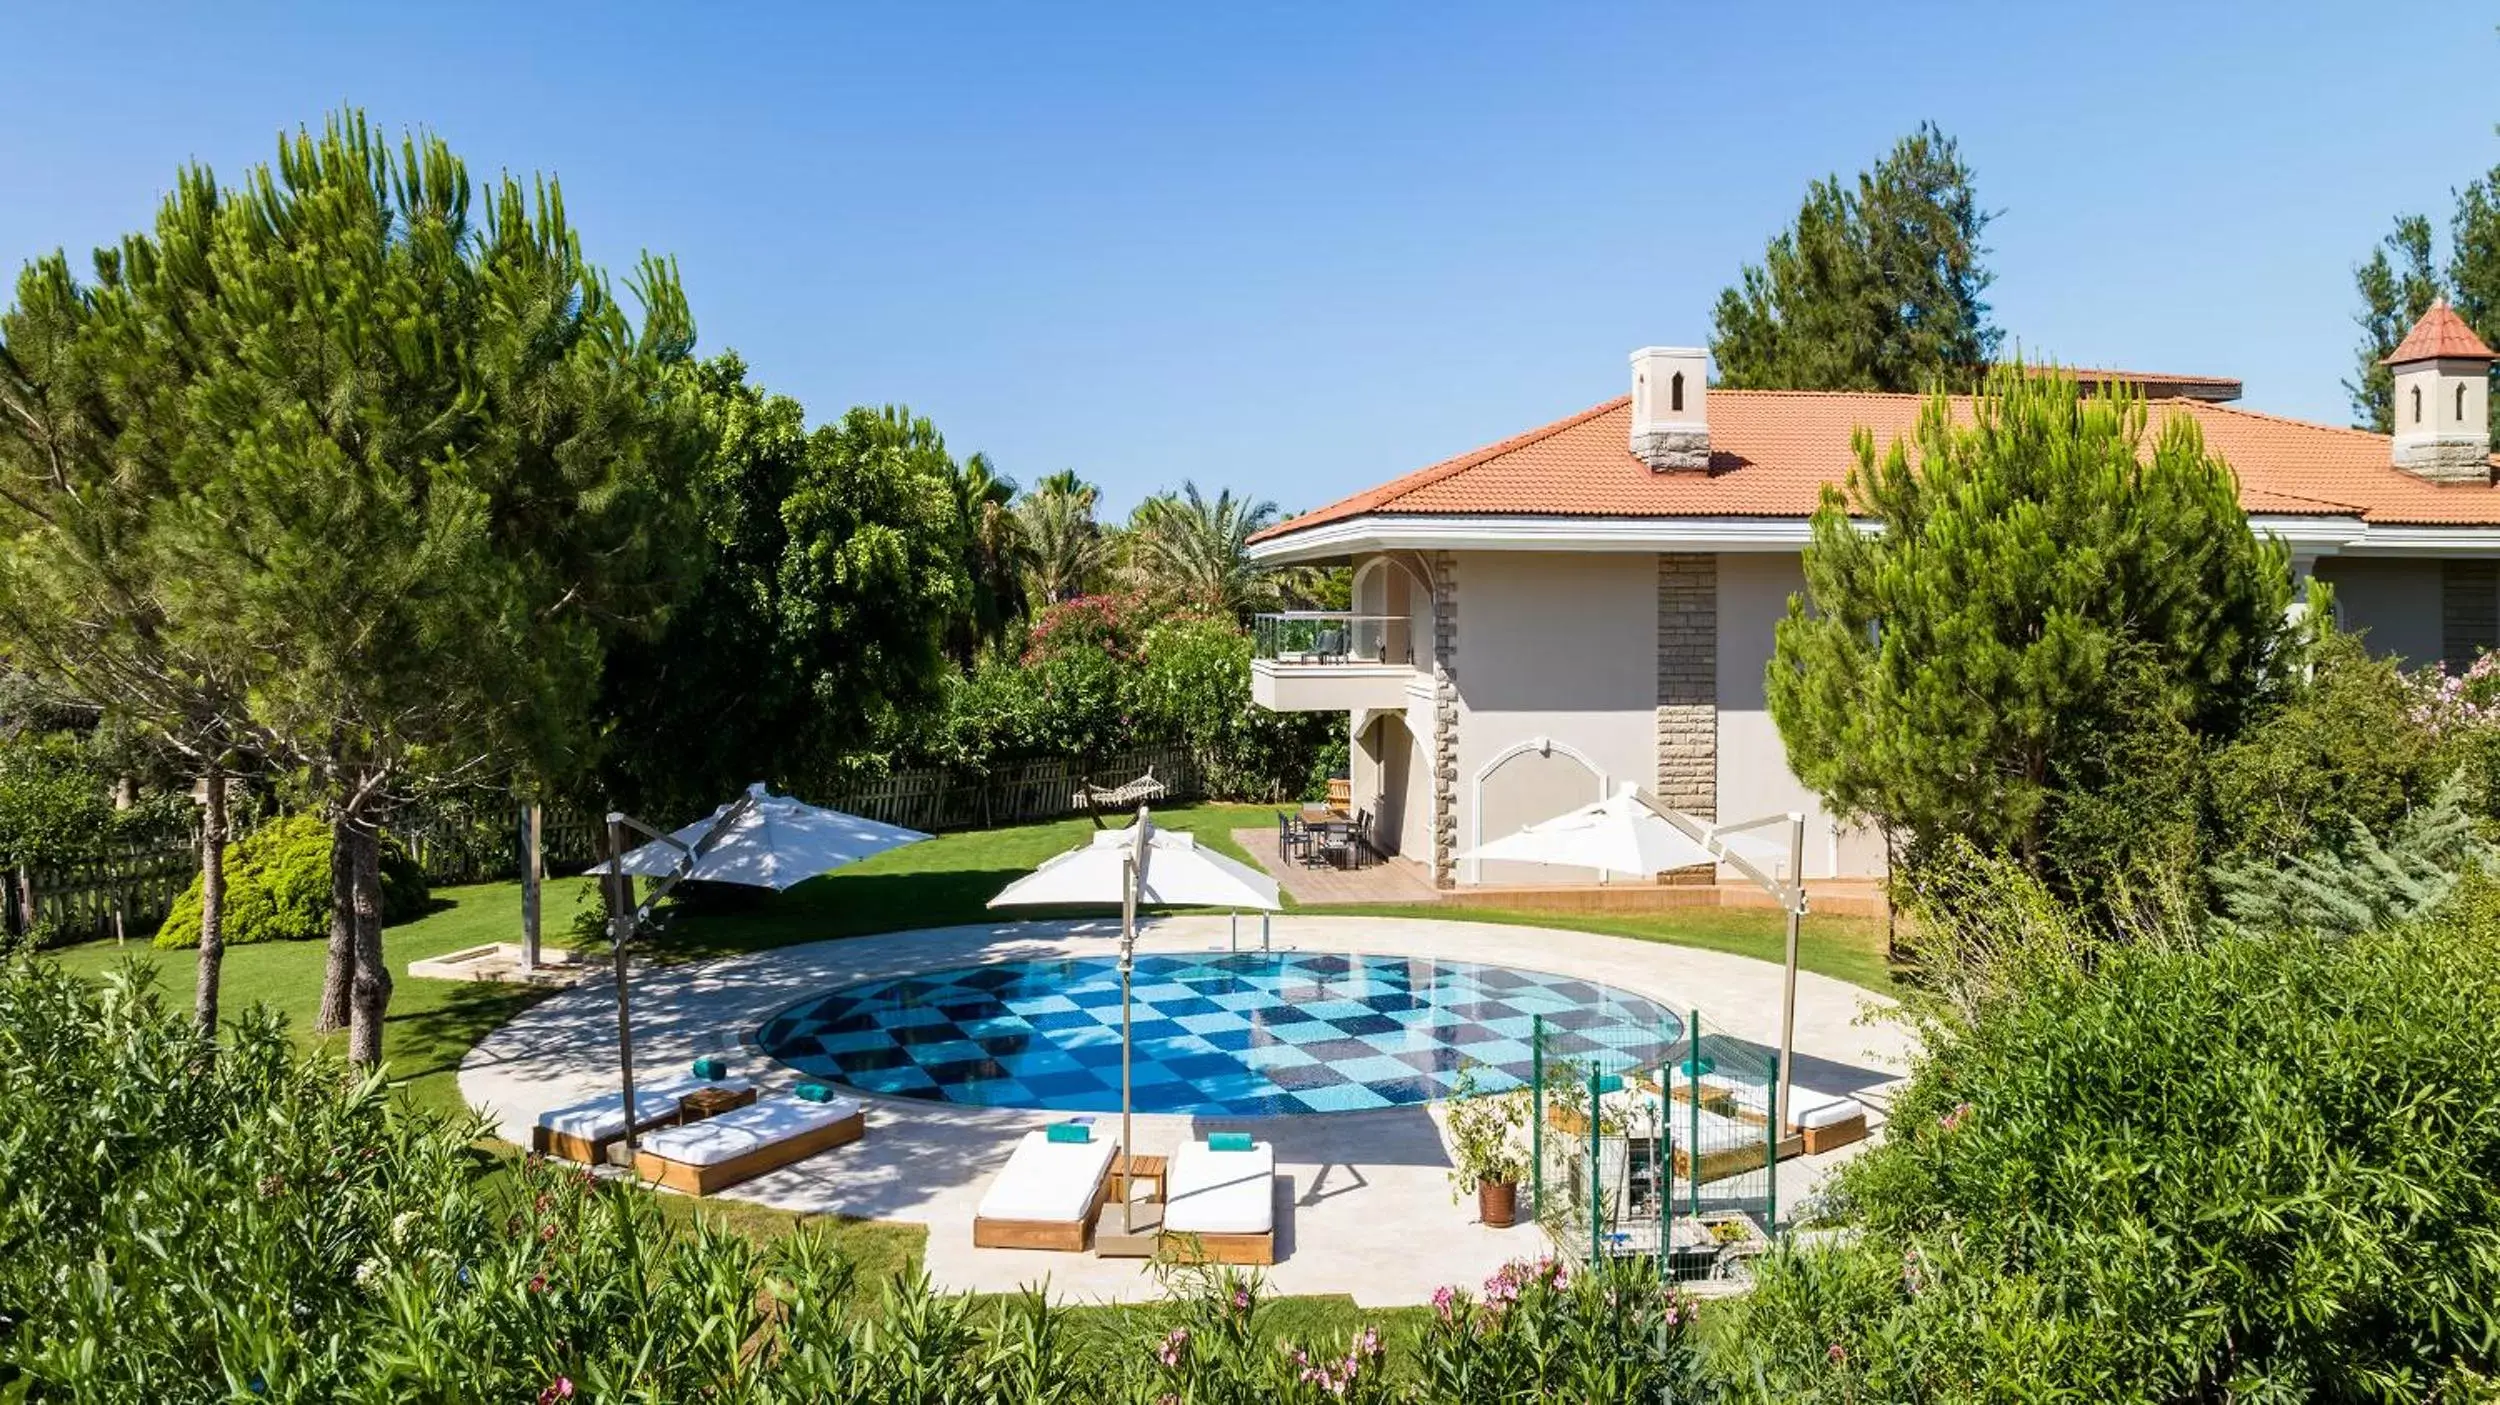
x: 1845, y: 948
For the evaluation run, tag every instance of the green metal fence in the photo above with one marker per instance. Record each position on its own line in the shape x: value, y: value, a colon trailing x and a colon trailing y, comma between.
x: 1660, y: 1148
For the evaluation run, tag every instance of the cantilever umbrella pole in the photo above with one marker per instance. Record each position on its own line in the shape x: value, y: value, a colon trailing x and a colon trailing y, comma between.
x: 625, y: 915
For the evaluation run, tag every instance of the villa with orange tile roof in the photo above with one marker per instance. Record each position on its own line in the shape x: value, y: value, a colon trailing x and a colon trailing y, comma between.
x: 1591, y: 602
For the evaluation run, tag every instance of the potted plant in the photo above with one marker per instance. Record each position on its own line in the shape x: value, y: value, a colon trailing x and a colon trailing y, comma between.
x: 1484, y: 1149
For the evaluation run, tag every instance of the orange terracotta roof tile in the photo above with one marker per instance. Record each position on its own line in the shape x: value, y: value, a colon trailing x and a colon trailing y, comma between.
x: 2441, y: 334
x: 1774, y: 451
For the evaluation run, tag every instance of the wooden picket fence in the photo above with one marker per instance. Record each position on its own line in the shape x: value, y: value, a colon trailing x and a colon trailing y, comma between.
x: 127, y: 894
x: 1021, y: 792
x: 123, y: 894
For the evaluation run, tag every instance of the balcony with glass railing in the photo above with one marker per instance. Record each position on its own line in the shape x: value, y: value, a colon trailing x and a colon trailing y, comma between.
x: 1330, y: 660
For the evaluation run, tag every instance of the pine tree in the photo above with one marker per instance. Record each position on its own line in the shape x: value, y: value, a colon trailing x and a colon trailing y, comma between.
x: 1879, y: 287
x: 402, y: 453
x: 2047, y: 567
x: 2397, y: 285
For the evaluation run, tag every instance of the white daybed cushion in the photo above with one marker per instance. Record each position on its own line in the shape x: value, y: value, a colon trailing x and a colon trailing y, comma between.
x: 603, y: 1117
x: 751, y: 1128
x: 1831, y: 1114
x: 1221, y: 1192
x: 1046, y: 1181
x: 1717, y: 1131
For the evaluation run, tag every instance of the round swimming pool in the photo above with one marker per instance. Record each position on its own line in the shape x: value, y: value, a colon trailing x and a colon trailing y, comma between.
x: 1244, y: 1035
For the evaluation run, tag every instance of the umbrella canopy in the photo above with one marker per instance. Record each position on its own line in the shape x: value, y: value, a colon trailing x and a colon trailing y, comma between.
x: 1620, y: 834
x: 768, y: 841
x: 1177, y: 873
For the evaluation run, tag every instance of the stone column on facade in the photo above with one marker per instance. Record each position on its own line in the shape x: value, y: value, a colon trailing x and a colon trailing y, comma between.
x: 1688, y: 683
x: 1444, y: 719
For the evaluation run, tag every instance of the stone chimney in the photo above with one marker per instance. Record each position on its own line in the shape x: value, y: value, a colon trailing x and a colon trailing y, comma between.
x: 1670, y: 404
x: 2443, y: 395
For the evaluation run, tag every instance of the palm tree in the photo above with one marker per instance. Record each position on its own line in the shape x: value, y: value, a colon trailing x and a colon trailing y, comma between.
x: 991, y: 540
x: 1069, y: 550
x: 1188, y: 549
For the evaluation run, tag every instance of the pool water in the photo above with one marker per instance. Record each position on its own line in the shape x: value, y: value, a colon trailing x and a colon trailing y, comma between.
x: 1245, y: 1035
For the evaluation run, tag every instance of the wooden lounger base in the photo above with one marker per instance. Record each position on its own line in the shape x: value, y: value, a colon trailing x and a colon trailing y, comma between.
x: 1833, y: 1136
x: 1058, y: 1236
x: 703, y: 1180
x: 1182, y: 1247
x: 589, y: 1151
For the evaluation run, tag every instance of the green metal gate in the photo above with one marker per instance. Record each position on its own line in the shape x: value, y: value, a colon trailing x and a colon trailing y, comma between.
x: 1664, y: 1148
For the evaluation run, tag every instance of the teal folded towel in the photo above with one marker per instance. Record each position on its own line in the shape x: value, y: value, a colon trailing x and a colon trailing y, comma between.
x: 1228, y: 1141
x: 1076, y: 1132
x: 813, y: 1093
x: 710, y: 1070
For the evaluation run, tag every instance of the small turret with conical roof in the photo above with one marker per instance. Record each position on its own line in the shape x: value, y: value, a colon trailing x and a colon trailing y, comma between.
x: 2443, y: 397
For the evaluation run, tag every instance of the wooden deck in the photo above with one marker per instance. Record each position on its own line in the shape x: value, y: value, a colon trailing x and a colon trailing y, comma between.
x: 1390, y: 880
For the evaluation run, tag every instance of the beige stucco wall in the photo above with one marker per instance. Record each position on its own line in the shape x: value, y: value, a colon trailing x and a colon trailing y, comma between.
x: 2396, y: 601
x: 1560, y: 646
x: 1753, y: 764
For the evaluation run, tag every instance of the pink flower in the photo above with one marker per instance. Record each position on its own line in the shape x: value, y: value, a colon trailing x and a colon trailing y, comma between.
x: 538, y: 1283
x: 561, y: 1388
x: 1953, y: 1120
x: 1175, y: 1343
x: 1838, y: 1355
x: 1442, y: 1298
x: 1241, y: 1300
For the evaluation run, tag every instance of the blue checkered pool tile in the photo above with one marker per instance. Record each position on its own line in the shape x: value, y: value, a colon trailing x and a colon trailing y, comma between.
x: 1225, y: 1036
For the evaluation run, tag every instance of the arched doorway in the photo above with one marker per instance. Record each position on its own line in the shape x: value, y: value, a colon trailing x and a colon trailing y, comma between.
x: 1531, y: 781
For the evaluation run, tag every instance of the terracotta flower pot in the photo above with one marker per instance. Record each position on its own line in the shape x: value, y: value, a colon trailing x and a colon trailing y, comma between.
x: 1497, y: 1203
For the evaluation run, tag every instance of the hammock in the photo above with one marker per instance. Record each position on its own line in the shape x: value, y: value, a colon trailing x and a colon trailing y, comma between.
x: 1145, y: 787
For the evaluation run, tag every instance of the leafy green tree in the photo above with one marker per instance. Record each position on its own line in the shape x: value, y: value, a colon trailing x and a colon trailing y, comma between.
x: 414, y: 467
x: 91, y: 590
x: 1879, y: 287
x: 991, y: 540
x: 1071, y: 553
x: 1186, y: 548
x: 2397, y: 286
x: 816, y: 630
x: 1944, y: 675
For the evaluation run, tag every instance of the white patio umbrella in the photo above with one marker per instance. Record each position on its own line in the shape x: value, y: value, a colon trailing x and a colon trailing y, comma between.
x: 1134, y: 867
x: 1629, y: 833
x: 760, y: 840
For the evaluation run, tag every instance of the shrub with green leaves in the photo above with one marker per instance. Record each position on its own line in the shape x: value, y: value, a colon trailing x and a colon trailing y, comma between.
x: 278, y: 888
x: 2256, y: 1167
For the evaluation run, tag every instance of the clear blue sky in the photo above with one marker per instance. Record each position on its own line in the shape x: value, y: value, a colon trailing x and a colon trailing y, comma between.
x: 1301, y: 248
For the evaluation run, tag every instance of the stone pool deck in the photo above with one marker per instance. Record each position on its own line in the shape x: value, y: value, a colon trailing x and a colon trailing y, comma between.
x: 1365, y: 1207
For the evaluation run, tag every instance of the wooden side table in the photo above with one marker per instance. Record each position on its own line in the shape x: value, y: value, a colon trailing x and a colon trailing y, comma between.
x: 1126, y: 1169
x: 712, y: 1102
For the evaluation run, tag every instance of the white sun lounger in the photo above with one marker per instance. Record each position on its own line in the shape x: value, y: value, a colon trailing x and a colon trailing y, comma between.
x: 701, y: 1157
x: 1046, y: 1196
x: 1220, y: 1206
x: 582, y: 1131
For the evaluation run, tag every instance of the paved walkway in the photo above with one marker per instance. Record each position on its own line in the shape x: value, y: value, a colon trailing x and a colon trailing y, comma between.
x: 1370, y: 1207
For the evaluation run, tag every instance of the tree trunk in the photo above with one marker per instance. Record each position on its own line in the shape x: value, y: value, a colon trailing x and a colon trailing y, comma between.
x: 340, y: 972
x: 212, y: 900
x: 370, y: 997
